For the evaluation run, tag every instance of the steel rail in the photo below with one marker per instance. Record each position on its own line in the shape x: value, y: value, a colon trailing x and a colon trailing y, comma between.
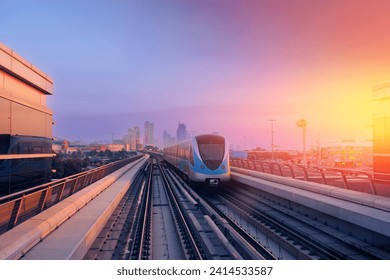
x: 121, y: 220
x: 122, y: 251
x: 134, y: 244
x: 331, y: 253
x: 181, y: 216
x: 251, y: 240
x: 146, y: 215
x: 220, y: 216
x: 297, y: 236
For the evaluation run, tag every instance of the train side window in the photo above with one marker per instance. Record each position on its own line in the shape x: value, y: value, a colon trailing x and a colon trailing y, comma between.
x: 191, y: 157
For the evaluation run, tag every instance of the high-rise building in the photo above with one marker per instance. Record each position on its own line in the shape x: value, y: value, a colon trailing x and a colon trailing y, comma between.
x: 131, y: 140
x: 137, y: 137
x: 381, y: 131
x: 181, y: 133
x: 168, y: 140
x: 149, y: 133
x: 25, y: 124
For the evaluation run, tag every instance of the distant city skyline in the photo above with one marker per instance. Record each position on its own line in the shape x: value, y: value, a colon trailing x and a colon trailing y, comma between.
x: 226, y: 66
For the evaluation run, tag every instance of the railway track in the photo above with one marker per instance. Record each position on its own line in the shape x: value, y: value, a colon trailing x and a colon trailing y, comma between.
x: 245, y: 244
x: 188, y: 238
x: 161, y: 217
x: 157, y: 220
x: 303, y: 236
x: 118, y: 233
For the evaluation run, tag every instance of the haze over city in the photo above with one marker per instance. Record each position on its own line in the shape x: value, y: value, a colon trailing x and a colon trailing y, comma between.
x: 224, y: 66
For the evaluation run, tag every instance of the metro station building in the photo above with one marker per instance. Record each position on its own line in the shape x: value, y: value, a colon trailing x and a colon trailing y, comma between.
x: 25, y: 124
x: 381, y: 130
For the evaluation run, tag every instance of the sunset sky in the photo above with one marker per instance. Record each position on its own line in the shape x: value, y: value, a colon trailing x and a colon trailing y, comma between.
x: 226, y: 66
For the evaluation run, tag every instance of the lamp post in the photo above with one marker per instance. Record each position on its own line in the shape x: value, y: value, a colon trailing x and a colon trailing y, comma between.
x: 302, y: 123
x: 272, y: 138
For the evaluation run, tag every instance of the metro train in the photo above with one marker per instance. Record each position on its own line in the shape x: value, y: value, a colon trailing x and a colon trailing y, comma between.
x: 203, y: 158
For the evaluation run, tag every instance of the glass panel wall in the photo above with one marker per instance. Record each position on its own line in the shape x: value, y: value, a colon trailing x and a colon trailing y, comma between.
x: 5, y: 115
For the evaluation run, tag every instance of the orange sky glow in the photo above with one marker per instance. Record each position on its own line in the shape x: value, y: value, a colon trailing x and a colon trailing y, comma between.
x: 326, y: 58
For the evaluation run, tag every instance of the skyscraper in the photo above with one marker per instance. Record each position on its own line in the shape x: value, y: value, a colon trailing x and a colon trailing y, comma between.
x: 168, y: 140
x: 137, y: 137
x: 131, y: 140
x: 181, y: 133
x: 149, y: 133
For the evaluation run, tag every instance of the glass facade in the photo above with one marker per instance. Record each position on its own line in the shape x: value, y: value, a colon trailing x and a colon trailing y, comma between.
x: 25, y: 146
x: 382, y: 148
x: 382, y: 135
x: 25, y: 124
x: 30, y: 169
x: 382, y: 167
x: 381, y: 131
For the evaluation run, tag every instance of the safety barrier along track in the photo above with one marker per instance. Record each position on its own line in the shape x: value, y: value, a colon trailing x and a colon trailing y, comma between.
x: 54, y: 224
x: 370, y: 200
x: 21, y: 206
x: 349, y: 179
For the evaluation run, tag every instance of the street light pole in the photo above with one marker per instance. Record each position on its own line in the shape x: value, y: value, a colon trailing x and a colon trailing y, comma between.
x: 272, y: 138
x: 304, y: 144
x: 302, y: 123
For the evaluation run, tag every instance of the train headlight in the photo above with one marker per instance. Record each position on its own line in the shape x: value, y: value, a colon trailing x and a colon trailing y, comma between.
x: 223, y: 166
x: 202, y: 166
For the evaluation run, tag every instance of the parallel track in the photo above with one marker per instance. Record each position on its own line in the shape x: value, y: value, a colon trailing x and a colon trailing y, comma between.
x: 235, y: 233
x: 298, y: 231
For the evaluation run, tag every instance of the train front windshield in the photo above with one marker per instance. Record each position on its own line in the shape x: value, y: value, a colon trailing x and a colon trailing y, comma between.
x: 211, y: 149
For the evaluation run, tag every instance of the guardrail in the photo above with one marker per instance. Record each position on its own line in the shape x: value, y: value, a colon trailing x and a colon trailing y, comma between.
x: 344, y: 178
x: 18, y: 207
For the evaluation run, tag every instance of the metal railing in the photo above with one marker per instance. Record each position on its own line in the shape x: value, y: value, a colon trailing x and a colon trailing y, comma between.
x: 21, y: 206
x: 344, y: 178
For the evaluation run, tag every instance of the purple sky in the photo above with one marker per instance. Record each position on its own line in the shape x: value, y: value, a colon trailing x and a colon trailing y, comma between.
x: 225, y: 66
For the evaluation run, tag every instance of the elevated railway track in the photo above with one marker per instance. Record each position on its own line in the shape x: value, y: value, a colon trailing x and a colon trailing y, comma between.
x: 154, y: 214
